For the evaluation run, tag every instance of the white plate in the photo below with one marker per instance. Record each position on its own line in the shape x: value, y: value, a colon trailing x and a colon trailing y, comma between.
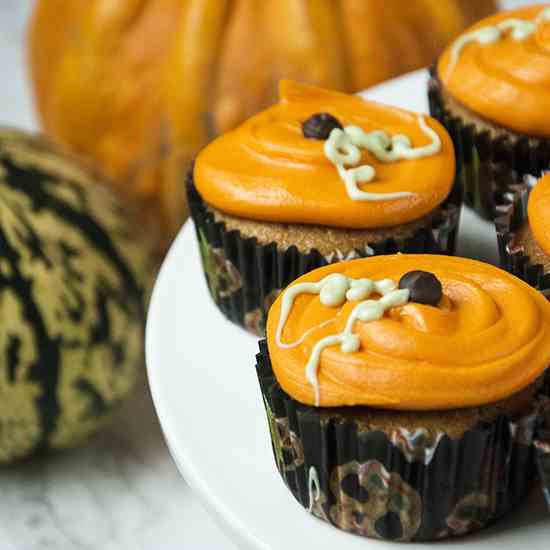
x: 201, y: 369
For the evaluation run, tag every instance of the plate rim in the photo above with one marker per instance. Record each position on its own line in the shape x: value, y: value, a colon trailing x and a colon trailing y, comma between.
x: 234, y: 527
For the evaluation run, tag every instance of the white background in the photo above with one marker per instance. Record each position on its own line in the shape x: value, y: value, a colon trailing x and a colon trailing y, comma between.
x: 122, y: 491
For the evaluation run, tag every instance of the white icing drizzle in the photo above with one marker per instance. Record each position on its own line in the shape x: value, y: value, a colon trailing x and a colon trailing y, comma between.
x: 343, y: 149
x: 314, y: 487
x: 521, y: 29
x: 369, y: 310
x: 333, y: 291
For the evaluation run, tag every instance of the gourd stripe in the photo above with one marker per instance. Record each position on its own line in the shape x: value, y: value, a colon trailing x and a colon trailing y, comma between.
x: 33, y: 182
x: 97, y: 406
x: 46, y: 369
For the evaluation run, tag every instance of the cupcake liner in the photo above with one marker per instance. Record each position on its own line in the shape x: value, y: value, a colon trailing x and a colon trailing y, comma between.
x: 400, y: 485
x: 542, y: 448
x: 479, y: 155
x: 511, y: 215
x: 244, y: 277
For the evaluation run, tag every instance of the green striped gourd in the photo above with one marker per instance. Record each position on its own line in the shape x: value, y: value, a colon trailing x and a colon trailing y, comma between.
x: 74, y: 276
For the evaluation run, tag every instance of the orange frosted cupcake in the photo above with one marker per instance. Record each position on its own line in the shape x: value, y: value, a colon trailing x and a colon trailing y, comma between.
x: 523, y: 229
x: 381, y: 375
x: 317, y: 178
x: 491, y: 90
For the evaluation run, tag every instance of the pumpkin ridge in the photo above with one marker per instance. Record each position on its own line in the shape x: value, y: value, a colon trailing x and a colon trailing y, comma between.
x: 137, y: 92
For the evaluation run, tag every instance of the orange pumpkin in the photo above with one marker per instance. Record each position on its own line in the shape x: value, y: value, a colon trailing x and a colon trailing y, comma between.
x: 138, y: 86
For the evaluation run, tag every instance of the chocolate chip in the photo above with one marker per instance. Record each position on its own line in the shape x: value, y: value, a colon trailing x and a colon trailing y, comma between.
x: 320, y: 125
x: 424, y: 287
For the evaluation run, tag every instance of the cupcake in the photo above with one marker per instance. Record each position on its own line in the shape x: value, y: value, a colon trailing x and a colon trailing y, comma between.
x: 490, y: 90
x: 406, y: 394
x: 318, y: 178
x: 523, y: 230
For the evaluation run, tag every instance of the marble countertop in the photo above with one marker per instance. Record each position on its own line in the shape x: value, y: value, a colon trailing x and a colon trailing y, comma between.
x: 122, y: 490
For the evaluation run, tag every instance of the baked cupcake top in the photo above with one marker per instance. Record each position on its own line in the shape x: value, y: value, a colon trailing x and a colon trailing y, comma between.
x: 500, y: 69
x: 327, y: 158
x: 409, y: 332
x: 539, y: 213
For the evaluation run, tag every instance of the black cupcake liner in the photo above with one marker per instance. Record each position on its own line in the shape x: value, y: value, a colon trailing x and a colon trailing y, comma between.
x: 244, y: 277
x: 479, y: 155
x: 401, y: 485
x: 542, y: 448
x: 511, y: 215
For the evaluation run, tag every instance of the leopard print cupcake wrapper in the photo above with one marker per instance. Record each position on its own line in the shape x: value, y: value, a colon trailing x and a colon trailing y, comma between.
x: 479, y: 156
x: 398, y: 485
x: 244, y: 277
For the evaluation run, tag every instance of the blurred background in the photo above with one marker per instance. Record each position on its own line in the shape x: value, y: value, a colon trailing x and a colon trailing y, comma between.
x: 139, y: 114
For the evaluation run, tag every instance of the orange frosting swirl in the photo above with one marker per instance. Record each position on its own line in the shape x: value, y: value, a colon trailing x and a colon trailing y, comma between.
x: 266, y: 170
x: 507, y: 81
x: 538, y: 212
x: 488, y: 339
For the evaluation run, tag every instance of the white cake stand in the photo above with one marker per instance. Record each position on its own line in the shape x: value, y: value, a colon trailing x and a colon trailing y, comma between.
x: 201, y: 369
